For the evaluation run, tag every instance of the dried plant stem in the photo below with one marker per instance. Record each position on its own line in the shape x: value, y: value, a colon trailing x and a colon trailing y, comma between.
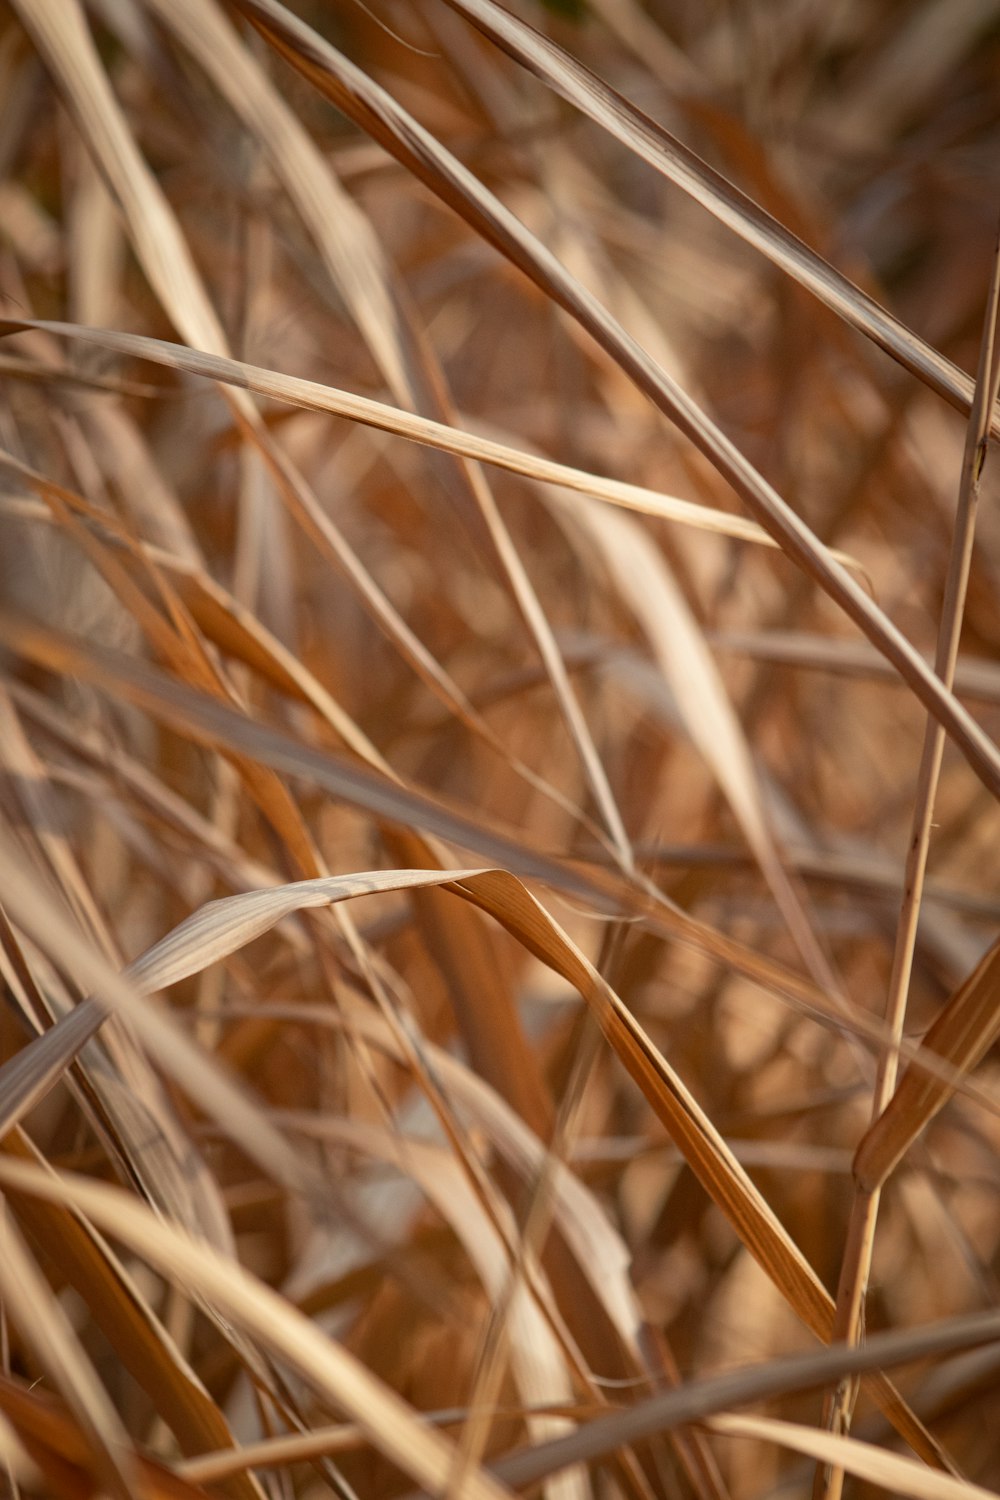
x: 859, y: 1247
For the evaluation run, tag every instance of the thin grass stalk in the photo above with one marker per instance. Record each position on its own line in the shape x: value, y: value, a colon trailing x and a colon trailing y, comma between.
x: 860, y: 1242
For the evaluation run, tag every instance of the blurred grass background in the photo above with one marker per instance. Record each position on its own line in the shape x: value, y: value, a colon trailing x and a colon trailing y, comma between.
x: 703, y: 772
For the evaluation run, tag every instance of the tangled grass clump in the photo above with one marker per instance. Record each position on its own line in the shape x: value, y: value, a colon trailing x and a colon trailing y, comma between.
x: 498, y: 841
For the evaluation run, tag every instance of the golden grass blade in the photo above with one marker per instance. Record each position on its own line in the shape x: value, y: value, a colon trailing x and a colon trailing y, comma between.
x: 962, y: 1034
x: 270, y: 1320
x: 890, y: 1471
x: 127, y: 1321
x: 62, y: 35
x: 574, y: 82
x: 309, y: 395
x: 422, y: 154
x: 47, y: 1331
x: 222, y: 927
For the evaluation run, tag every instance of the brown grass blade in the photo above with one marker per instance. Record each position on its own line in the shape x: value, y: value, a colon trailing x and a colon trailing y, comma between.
x: 57, y: 1444
x: 860, y: 1237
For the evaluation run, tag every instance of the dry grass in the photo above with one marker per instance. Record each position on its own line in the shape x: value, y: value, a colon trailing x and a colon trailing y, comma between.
x: 493, y: 982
